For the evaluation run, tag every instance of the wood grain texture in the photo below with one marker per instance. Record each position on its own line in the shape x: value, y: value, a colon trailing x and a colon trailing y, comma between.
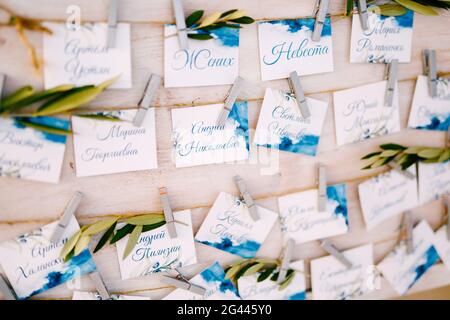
x: 25, y: 205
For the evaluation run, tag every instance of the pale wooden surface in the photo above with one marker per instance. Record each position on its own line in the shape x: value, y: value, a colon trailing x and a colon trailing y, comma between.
x: 25, y: 205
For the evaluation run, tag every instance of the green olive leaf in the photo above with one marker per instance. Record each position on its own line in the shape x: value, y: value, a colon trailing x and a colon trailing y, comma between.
x: 389, y: 153
x: 389, y: 9
x: 28, y: 122
x: 99, y: 226
x: 70, y: 244
x: 232, y: 271
x: 444, y: 156
x: 193, y: 18
x: 265, y: 274
x: 417, y: 7
x: 122, y: 232
x: 430, y: 153
x: 145, y: 219
x: 132, y: 240
x: 82, y: 244
x: 105, y: 237
x: 287, y: 281
x: 16, y: 96
x: 253, y: 269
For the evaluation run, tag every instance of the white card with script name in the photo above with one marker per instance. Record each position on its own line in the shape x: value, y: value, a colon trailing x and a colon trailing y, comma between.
x: 360, y: 113
x: 434, y: 181
x: 104, y: 146
x: 206, y: 63
x: 81, y: 56
x: 286, y: 46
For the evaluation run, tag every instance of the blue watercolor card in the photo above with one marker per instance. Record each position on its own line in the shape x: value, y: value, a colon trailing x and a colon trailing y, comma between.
x: 403, y: 270
x: 387, y: 38
x: 434, y: 181
x: 198, y: 140
x: 286, y: 46
x: 281, y: 125
x: 332, y: 280
x: 302, y: 221
x: 206, y: 62
x: 27, y: 153
x: 429, y: 113
x: 156, y: 252
x: 251, y: 289
x: 229, y: 227
x: 81, y: 56
x: 84, y: 295
x: 213, y: 280
x: 33, y: 264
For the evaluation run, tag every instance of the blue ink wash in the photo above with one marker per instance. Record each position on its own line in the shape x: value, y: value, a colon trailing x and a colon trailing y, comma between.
x: 431, y: 257
x: 215, y: 273
x: 436, y: 124
x: 245, y: 249
x: 227, y: 37
x: 75, y: 267
x: 296, y: 25
x: 404, y: 21
x: 338, y: 193
x: 239, y: 113
x: 46, y: 121
x: 306, y: 145
x: 298, y: 296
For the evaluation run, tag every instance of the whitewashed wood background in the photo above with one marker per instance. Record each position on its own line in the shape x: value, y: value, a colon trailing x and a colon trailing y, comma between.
x: 25, y: 205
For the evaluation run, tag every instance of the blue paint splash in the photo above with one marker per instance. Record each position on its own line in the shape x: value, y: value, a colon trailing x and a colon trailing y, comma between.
x: 46, y: 121
x: 436, y: 124
x: 228, y: 37
x: 338, y: 193
x: 306, y: 145
x: 239, y: 113
x: 215, y: 273
x: 245, y: 250
x: 296, y: 25
x: 298, y: 296
x: 404, y: 21
x: 431, y: 257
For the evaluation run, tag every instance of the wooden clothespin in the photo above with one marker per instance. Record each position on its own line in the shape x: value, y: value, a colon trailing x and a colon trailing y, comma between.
x: 181, y: 24
x: 297, y: 90
x: 246, y: 197
x: 430, y: 70
x: 391, y: 75
x: 320, y: 12
x: 407, y: 232
x: 322, y: 187
x: 100, y: 285
x: 6, y: 289
x: 286, y: 261
x: 2, y: 84
x: 67, y: 215
x: 363, y: 15
x: 112, y: 23
x: 152, y: 85
x: 181, y: 282
x: 230, y: 100
x: 328, y: 247
x: 168, y: 213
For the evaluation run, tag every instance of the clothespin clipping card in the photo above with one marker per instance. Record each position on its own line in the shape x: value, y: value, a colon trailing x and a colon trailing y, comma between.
x: 230, y: 100
x: 430, y: 70
x: 100, y: 285
x: 181, y: 282
x: 322, y: 187
x: 152, y: 85
x: 168, y: 213
x: 363, y: 15
x: 246, y: 197
x: 67, y: 215
x: 328, y: 247
x: 407, y: 231
x: 320, y: 12
x: 181, y: 23
x: 287, y: 258
x: 112, y: 23
x: 297, y: 90
x: 391, y: 77
x: 6, y: 290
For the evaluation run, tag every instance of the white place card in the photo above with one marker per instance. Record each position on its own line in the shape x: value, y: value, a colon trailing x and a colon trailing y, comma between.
x: 403, y: 270
x: 83, y: 295
x: 81, y: 56
x: 205, y: 63
x: 387, y: 195
x: 251, y: 289
x: 429, y: 113
x: 229, y: 227
x: 434, y: 181
x: 282, y: 126
x: 443, y: 245
x: 302, y: 221
x: 286, y: 46
x: 360, y: 113
x: 213, y: 280
x: 104, y: 146
x: 156, y: 252
x: 331, y: 280
x: 33, y: 264
x: 387, y: 38
x: 31, y: 154
x: 198, y: 140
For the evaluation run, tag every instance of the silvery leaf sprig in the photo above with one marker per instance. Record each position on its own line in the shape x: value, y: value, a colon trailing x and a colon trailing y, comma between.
x: 404, y: 156
x: 400, y: 7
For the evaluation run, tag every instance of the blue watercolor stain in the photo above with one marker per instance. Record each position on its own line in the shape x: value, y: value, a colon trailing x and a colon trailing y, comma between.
x: 215, y: 273
x: 404, y: 21
x: 298, y: 296
x: 228, y: 37
x: 436, y: 124
x: 295, y: 25
x: 431, y: 257
x: 239, y: 113
x: 306, y: 145
x: 75, y: 267
x: 47, y: 121
x: 338, y: 193
x: 245, y: 250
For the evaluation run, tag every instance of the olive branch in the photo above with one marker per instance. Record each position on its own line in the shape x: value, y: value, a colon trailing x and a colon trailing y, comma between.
x: 400, y: 7
x: 404, y: 156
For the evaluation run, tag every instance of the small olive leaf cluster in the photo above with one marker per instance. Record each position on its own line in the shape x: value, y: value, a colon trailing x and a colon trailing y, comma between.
x: 134, y: 226
x: 400, y: 7
x: 404, y: 156
x: 229, y: 19
x: 266, y: 269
